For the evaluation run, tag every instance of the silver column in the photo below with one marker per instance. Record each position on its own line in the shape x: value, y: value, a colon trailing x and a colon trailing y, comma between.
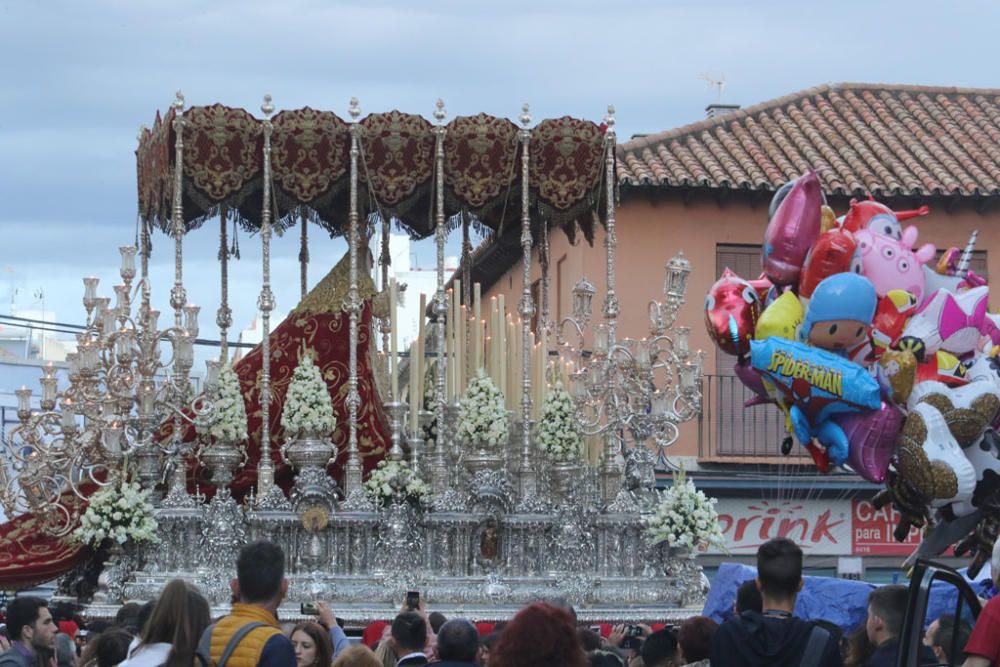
x: 610, y: 470
x: 528, y: 478
x: 352, y: 474
x: 268, y: 494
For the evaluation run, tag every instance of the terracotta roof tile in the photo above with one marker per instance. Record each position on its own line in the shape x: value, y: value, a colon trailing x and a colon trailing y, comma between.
x: 875, y: 139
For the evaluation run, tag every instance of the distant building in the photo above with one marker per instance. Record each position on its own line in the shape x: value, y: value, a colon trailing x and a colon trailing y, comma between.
x: 31, y: 340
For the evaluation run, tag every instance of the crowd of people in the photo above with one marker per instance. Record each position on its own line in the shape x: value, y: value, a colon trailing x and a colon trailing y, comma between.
x: 177, y: 630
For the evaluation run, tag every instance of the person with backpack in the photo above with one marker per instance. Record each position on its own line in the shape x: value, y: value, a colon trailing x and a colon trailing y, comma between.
x: 775, y: 636
x: 250, y: 635
x: 170, y: 637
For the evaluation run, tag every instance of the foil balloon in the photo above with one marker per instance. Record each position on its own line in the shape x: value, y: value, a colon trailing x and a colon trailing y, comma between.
x: 967, y: 410
x: 897, y: 372
x: 892, y: 264
x: 891, y: 315
x: 872, y: 439
x: 949, y: 322
x: 942, y: 367
x: 762, y: 286
x: 955, y: 284
x: 878, y: 218
x: 781, y: 319
x: 840, y: 313
x: 827, y: 219
x: 817, y: 385
x: 731, y: 311
x: 930, y: 460
x: 832, y: 254
x: 983, y: 457
x: 792, y: 230
x: 752, y: 380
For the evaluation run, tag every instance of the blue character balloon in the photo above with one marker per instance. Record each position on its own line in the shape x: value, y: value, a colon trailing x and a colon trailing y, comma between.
x: 818, y: 385
x: 840, y: 312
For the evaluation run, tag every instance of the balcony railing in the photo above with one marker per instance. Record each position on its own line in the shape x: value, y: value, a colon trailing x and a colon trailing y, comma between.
x: 729, y: 431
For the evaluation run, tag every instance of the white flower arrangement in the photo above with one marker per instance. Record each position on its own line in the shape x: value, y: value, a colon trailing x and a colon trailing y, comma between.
x: 482, y: 417
x: 685, y: 517
x: 559, y: 432
x: 119, y: 513
x: 392, y: 475
x: 308, y: 409
x: 231, y: 414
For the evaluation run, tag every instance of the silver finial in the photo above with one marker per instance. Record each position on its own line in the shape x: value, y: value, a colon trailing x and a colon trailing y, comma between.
x: 355, y: 109
x: 179, y: 101
x: 525, y: 117
x: 609, y: 120
x: 267, y: 107
x: 439, y: 113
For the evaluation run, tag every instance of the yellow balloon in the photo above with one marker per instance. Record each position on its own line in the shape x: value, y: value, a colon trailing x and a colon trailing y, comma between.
x: 780, y: 319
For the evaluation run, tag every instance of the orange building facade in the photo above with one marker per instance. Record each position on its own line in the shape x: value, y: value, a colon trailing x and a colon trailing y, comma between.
x: 704, y: 189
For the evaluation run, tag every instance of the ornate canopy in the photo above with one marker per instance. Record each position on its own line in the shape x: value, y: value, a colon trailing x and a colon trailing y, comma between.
x: 310, y: 158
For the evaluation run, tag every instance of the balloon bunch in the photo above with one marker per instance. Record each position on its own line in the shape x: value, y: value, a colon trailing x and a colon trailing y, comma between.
x: 881, y: 360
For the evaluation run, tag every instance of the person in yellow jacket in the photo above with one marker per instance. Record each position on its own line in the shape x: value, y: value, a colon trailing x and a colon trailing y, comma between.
x: 250, y: 636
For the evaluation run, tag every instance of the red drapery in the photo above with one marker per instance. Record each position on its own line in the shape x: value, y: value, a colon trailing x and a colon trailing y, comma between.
x: 223, y: 165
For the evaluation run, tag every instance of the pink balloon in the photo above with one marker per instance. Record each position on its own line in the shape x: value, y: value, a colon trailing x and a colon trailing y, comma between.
x: 792, y: 231
x: 872, y: 437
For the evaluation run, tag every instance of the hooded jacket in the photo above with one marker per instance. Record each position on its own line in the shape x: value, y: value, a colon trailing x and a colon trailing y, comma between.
x: 754, y: 640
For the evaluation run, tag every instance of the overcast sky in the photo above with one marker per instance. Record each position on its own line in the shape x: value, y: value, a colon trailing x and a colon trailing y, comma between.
x: 79, y: 78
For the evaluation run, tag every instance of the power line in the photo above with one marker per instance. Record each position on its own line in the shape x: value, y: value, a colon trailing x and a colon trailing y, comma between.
x: 72, y: 329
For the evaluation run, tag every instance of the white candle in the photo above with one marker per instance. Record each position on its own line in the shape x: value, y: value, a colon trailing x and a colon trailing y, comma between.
x: 393, y: 351
x: 459, y: 329
x: 478, y: 323
x: 413, y: 387
x: 463, y: 319
x: 502, y: 344
x: 420, y: 351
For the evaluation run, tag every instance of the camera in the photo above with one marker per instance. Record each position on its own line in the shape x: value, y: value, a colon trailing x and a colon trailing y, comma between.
x: 632, y: 637
x: 309, y: 609
x: 413, y: 600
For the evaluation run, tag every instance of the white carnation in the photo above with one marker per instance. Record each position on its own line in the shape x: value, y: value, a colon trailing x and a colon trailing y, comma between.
x: 308, y: 408
x: 684, y: 517
x: 482, y: 417
x: 107, y: 517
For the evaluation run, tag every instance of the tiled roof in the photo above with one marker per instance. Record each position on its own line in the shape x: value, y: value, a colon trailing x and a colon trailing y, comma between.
x: 883, y: 140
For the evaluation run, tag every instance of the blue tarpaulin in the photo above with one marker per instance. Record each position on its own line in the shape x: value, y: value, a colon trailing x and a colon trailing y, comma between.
x: 841, y: 601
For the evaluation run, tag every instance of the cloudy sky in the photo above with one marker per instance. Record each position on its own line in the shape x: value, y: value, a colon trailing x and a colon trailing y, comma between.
x: 79, y: 78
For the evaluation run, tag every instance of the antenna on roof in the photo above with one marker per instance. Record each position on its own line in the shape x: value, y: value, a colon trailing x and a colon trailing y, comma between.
x: 719, y: 84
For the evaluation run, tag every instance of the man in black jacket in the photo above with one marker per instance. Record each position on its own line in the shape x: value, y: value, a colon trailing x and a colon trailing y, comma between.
x: 409, y: 636
x: 457, y: 644
x: 886, y: 609
x: 775, y: 636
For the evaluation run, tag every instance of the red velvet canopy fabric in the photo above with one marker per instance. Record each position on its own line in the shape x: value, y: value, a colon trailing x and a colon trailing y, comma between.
x: 310, y: 160
x: 29, y: 555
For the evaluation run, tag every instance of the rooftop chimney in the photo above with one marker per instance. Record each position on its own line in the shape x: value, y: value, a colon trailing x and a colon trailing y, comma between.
x: 716, y: 110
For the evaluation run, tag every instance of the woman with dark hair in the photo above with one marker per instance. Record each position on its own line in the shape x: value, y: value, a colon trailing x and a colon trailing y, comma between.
x: 312, y: 645
x: 859, y: 648
x: 541, y: 635
x: 170, y: 637
x: 695, y: 640
x: 107, y: 650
